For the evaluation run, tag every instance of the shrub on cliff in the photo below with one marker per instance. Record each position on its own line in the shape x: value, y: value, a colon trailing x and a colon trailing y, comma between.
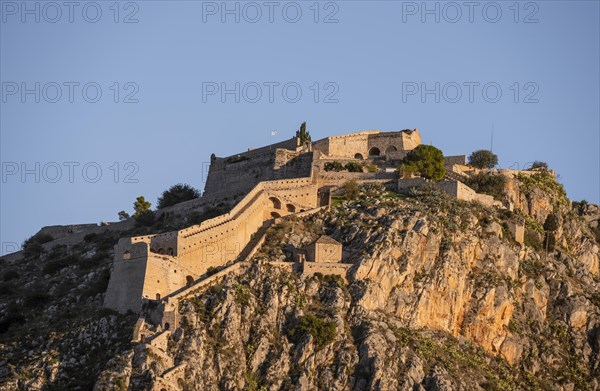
x: 532, y: 239
x: 351, y: 189
x: 537, y: 165
x: 545, y: 182
x: 371, y: 167
x: 483, y: 159
x: 54, y: 266
x: 32, y: 247
x: 323, y: 331
x: 487, y: 183
x: 177, y: 193
x: 580, y: 207
x: 425, y: 160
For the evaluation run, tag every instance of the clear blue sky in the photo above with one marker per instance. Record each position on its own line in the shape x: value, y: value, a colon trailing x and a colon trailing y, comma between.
x: 373, y: 58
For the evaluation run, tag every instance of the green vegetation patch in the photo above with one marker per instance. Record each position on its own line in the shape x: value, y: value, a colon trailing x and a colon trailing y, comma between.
x: 488, y: 183
x: 546, y: 183
x: 322, y: 330
x: 52, y: 267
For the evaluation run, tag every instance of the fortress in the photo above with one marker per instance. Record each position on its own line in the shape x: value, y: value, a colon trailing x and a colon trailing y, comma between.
x: 273, y: 181
x: 151, y: 274
x: 265, y: 184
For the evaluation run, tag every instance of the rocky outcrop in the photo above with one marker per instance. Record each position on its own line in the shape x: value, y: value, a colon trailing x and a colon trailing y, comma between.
x: 440, y: 297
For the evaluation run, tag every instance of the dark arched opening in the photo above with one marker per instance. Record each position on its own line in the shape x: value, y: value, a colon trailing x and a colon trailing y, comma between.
x: 374, y: 151
x: 275, y: 215
x: 158, y: 296
x: 291, y: 208
x: 189, y: 280
x: 167, y: 325
x: 276, y: 203
x: 126, y: 255
x: 391, y: 148
x: 359, y: 156
x: 161, y: 250
x: 170, y: 251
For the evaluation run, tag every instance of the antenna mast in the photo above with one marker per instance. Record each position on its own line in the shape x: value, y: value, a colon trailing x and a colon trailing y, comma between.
x: 492, y: 141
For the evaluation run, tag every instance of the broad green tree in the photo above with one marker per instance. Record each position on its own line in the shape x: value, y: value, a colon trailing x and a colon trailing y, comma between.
x: 483, y: 159
x: 426, y: 161
x: 177, y: 193
x: 539, y: 165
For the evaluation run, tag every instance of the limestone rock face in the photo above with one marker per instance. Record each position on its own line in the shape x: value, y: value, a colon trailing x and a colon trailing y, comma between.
x: 439, y: 297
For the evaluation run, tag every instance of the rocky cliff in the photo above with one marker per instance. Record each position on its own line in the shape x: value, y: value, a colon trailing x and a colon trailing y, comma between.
x: 440, y: 297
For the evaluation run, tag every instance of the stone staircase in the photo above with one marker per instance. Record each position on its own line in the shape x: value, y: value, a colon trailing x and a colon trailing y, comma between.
x: 454, y: 176
x: 168, y: 379
x: 255, y: 243
x: 241, y: 263
x: 231, y: 216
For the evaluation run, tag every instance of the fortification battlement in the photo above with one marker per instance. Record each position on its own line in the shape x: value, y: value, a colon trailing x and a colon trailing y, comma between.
x: 239, y: 173
x: 355, y: 134
x: 168, y: 241
x: 372, y: 144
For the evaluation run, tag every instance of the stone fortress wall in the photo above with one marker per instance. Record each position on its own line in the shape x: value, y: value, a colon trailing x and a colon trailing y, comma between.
x: 172, y: 260
x: 362, y: 145
x: 60, y: 231
x: 238, y: 174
